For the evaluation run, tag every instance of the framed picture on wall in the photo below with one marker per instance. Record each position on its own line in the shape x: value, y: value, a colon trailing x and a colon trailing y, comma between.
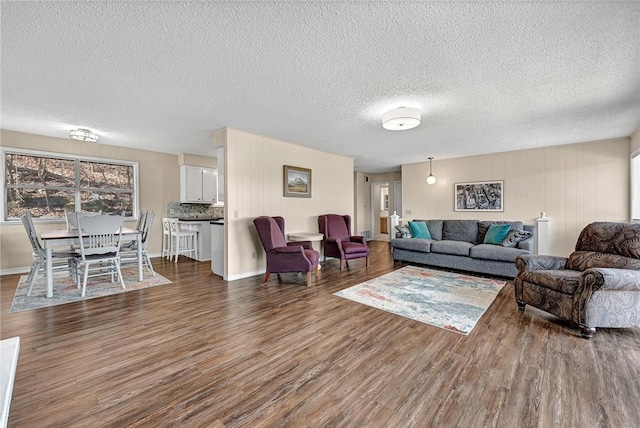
x: 479, y: 196
x: 297, y: 182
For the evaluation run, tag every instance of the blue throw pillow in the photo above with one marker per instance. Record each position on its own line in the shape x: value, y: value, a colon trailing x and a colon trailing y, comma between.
x: 419, y: 229
x: 497, y: 233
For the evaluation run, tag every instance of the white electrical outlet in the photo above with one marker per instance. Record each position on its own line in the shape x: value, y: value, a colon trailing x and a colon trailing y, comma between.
x: 408, y: 211
x: 236, y: 214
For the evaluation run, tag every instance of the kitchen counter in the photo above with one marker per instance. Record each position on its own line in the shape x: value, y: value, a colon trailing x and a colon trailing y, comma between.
x: 219, y: 221
x: 199, y: 219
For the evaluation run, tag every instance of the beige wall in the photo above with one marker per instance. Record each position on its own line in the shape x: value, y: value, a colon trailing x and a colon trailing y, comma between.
x: 254, y: 187
x: 196, y: 160
x: 635, y: 141
x: 574, y: 184
x: 158, y: 184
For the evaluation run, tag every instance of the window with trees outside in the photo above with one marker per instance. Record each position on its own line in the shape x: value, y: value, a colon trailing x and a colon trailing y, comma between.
x: 48, y: 185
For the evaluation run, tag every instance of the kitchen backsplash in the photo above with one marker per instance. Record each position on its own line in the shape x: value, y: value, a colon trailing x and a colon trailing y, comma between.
x: 178, y: 210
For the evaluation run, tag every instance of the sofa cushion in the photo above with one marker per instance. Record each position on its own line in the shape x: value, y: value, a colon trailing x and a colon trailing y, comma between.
x: 419, y: 229
x: 582, y: 260
x: 515, y: 237
x: 460, y: 230
x: 496, y: 234
x: 404, y: 231
x: 496, y: 252
x: 561, y: 280
x: 459, y: 248
x: 435, y: 228
x: 414, y: 244
x: 483, y: 227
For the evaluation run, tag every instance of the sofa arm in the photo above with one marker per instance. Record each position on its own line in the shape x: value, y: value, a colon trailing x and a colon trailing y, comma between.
x: 289, y: 250
x: 358, y: 239
x: 304, y: 244
x: 610, y: 279
x: 536, y: 262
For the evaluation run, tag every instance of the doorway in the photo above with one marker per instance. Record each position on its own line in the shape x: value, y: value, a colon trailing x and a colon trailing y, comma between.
x: 380, y: 200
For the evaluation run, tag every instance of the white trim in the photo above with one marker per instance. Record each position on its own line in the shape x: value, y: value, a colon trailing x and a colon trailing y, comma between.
x: 244, y: 275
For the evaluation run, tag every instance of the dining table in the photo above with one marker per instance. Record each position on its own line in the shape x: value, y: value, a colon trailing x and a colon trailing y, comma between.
x: 60, y: 237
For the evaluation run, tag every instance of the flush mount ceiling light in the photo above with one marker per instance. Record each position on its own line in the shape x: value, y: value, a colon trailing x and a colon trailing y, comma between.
x: 83, y: 135
x: 431, y: 179
x: 401, y: 118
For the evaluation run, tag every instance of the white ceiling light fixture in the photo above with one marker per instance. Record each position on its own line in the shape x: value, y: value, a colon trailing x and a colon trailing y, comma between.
x: 83, y: 135
x: 431, y: 179
x: 401, y: 118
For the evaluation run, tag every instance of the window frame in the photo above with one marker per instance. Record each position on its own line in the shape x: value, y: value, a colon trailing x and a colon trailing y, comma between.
x: 78, y: 189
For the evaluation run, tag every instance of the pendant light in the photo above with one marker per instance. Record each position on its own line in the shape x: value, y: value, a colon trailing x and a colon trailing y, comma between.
x: 431, y: 179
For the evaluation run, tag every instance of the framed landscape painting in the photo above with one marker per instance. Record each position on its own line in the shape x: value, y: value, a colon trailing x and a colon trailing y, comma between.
x: 479, y: 196
x: 297, y: 182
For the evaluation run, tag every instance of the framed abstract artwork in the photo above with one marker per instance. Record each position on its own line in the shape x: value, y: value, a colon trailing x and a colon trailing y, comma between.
x: 479, y: 196
x: 297, y: 182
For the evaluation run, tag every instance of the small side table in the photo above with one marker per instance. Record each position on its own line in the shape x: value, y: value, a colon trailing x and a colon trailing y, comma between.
x: 306, y: 236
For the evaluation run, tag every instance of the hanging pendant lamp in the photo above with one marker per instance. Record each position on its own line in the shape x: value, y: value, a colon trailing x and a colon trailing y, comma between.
x: 431, y: 179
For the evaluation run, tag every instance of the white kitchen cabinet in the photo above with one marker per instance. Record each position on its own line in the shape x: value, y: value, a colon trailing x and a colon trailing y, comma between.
x: 198, y: 184
x: 217, y: 247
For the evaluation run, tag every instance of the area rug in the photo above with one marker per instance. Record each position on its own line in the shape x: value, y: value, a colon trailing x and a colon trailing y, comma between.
x: 452, y: 301
x: 65, y: 290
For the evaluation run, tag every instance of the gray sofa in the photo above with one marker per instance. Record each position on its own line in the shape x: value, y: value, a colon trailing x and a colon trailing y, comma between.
x: 458, y: 244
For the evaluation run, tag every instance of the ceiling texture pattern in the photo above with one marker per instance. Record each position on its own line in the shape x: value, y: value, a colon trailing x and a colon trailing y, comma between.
x: 162, y: 76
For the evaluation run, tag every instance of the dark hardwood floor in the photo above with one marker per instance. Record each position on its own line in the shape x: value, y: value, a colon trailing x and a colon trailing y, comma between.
x: 202, y: 352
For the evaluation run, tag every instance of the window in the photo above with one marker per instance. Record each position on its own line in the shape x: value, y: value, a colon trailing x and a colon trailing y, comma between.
x: 635, y: 187
x: 49, y: 184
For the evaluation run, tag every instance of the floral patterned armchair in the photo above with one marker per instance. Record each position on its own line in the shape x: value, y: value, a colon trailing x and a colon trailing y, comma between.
x: 597, y: 286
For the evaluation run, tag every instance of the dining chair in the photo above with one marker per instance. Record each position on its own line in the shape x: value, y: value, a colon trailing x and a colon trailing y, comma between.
x: 61, y: 260
x: 183, y: 241
x: 129, y: 252
x: 99, y: 237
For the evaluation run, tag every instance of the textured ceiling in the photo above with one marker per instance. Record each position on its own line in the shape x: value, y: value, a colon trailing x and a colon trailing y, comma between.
x: 163, y: 76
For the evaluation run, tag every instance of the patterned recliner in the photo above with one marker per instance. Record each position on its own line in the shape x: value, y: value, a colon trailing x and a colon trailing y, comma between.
x: 597, y: 286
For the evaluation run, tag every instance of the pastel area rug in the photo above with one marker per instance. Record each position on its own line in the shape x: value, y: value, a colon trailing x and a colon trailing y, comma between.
x: 65, y: 291
x: 452, y: 301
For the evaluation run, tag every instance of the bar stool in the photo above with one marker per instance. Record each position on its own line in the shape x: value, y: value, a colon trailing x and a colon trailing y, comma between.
x: 183, y: 241
x: 166, y: 238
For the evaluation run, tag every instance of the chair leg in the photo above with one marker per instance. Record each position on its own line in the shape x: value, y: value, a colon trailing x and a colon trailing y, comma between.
x: 266, y: 277
x: 33, y: 274
x: 117, y: 266
x: 366, y: 261
x: 309, y: 279
x: 341, y: 265
x: 315, y: 271
x: 84, y: 281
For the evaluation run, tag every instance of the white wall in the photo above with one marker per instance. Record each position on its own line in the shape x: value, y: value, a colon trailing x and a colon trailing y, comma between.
x: 254, y: 187
x: 574, y: 184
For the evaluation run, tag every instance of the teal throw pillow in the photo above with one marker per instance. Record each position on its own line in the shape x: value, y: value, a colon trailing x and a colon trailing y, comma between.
x: 419, y: 229
x: 497, y: 233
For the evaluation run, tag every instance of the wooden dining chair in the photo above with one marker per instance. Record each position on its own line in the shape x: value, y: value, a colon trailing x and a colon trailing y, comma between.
x: 129, y: 252
x: 99, y: 238
x: 61, y: 260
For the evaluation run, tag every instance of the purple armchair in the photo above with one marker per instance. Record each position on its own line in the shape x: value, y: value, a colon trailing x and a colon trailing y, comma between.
x: 338, y: 241
x: 282, y: 256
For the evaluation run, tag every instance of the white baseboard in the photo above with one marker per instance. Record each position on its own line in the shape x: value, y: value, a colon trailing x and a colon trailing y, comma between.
x: 244, y: 275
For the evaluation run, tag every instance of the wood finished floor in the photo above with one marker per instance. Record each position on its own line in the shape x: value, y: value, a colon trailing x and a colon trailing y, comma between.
x: 201, y: 352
